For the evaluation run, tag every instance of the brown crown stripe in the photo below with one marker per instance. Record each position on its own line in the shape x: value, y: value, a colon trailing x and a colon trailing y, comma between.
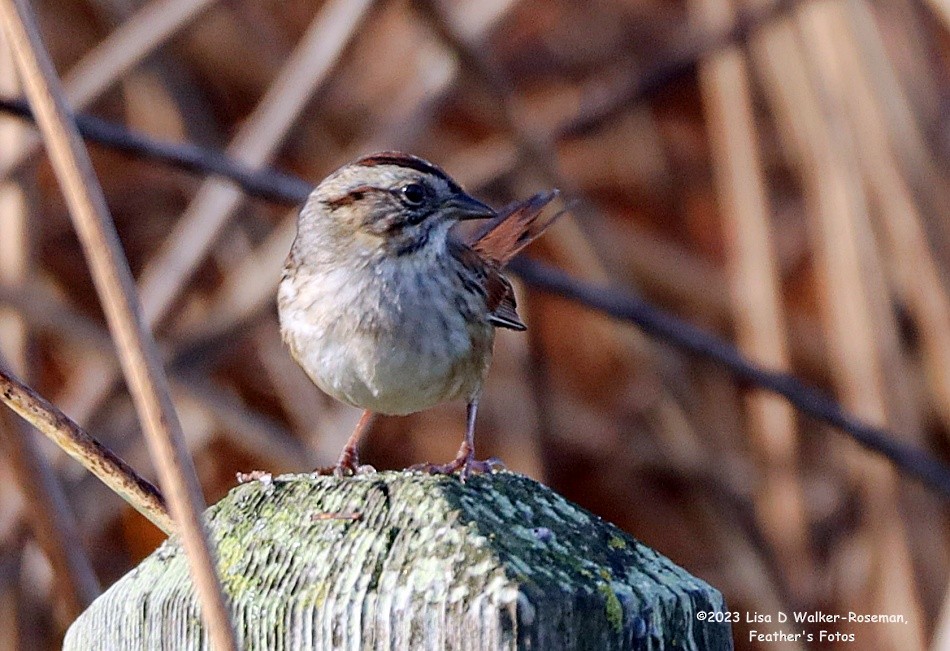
x: 405, y: 160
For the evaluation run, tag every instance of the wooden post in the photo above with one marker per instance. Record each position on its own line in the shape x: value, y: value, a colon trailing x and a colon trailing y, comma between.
x: 411, y: 561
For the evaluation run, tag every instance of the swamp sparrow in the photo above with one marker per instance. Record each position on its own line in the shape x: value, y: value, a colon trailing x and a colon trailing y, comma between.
x: 387, y: 308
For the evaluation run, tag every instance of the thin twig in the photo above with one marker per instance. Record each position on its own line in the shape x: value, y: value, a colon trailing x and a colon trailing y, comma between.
x: 265, y: 184
x: 95, y: 457
x: 145, y: 31
x: 672, y: 67
x: 116, y: 289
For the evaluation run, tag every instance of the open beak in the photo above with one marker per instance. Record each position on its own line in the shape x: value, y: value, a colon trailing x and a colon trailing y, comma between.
x: 461, y: 207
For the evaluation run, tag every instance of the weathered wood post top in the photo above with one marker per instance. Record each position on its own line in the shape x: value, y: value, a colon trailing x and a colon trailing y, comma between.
x: 411, y: 561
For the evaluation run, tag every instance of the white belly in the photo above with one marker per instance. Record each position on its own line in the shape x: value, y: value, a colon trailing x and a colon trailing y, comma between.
x: 400, y: 365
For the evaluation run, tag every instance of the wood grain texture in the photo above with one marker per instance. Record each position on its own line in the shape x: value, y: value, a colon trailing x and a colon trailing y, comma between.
x: 411, y: 561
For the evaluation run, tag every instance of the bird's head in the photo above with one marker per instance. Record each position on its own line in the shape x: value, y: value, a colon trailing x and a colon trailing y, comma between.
x: 389, y: 202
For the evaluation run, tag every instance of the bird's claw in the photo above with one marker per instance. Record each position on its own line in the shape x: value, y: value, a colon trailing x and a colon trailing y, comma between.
x: 345, y: 470
x: 465, y: 466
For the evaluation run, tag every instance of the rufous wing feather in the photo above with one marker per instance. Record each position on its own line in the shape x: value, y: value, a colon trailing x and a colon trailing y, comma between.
x: 516, y: 226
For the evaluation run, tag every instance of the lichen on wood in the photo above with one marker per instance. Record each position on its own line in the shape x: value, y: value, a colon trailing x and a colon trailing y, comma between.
x: 411, y: 561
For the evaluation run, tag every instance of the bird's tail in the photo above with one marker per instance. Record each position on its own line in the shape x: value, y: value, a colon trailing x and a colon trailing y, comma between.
x: 515, y: 227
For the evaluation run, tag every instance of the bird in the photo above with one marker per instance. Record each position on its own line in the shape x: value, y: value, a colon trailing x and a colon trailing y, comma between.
x: 387, y: 306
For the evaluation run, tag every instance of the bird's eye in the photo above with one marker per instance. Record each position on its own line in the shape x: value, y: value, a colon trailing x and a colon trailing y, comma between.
x: 413, y: 194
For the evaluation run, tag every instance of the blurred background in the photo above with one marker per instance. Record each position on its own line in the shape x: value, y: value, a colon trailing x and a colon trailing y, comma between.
x: 775, y: 173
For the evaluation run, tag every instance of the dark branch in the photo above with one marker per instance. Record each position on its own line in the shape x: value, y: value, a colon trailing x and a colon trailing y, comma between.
x: 284, y: 188
x: 671, y: 330
x: 265, y: 184
x: 671, y: 68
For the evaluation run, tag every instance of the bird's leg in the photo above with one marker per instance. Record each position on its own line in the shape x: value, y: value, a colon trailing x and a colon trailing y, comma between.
x: 349, y: 462
x: 465, y: 459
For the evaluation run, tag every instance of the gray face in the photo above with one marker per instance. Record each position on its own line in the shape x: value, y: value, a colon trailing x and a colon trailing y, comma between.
x: 402, y: 202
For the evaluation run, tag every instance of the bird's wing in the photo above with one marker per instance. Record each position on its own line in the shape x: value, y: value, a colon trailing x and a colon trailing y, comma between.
x: 502, y: 306
x: 499, y: 295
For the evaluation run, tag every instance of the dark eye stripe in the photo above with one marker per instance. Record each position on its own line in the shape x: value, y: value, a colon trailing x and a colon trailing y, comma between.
x: 351, y: 197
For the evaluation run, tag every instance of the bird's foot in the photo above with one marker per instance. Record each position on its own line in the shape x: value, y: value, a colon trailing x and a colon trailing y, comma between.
x: 340, y: 470
x: 465, y: 466
x: 348, y: 465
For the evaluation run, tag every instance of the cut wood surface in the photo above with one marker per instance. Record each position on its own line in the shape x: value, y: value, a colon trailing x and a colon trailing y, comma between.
x: 411, y: 561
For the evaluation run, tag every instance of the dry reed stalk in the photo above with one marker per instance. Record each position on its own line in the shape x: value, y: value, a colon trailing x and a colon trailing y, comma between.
x: 914, y: 273
x: 914, y: 266
x: 606, y: 345
x: 14, y: 255
x: 49, y: 514
x: 756, y: 293
x: 14, y: 219
x: 833, y: 197
x: 927, y: 173
x: 143, y: 33
x: 148, y: 105
x: 167, y: 273
x: 840, y: 236
x: 116, y: 288
x: 942, y: 9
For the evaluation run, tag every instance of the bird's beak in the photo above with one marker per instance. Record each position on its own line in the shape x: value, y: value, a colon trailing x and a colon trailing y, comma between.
x: 462, y: 206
